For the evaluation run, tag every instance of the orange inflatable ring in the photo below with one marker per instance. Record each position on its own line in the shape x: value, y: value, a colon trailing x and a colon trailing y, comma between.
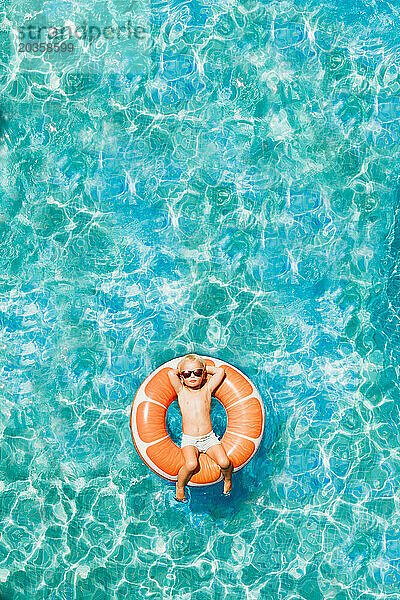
x: 245, y: 427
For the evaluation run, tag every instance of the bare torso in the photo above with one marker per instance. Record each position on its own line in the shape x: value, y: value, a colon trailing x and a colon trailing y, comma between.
x: 195, y: 407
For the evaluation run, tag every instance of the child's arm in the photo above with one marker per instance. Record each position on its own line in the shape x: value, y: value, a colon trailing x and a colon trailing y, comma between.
x: 218, y: 373
x: 174, y: 379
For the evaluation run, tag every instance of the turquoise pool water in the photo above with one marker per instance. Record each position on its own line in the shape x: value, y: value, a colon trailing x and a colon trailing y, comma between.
x: 223, y: 180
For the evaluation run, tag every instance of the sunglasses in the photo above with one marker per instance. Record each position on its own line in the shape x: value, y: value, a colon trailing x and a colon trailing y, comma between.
x: 196, y: 373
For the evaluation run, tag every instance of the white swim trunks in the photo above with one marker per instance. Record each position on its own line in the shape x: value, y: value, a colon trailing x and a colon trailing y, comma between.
x: 202, y: 443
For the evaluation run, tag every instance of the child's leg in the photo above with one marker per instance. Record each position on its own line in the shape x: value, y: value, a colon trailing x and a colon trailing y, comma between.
x: 191, y: 456
x: 218, y: 454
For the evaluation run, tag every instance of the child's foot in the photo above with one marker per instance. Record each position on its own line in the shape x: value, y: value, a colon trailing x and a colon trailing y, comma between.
x: 180, y: 495
x: 227, y: 486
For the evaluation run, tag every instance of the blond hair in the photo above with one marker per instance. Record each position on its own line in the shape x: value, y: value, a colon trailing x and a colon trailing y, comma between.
x: 191, y: 357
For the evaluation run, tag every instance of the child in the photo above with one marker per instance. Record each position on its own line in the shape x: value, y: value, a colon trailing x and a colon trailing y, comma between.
x: 194, y: 398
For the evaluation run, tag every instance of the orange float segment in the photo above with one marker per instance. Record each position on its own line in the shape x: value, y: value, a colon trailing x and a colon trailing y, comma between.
x: 246, y: 417
x: 166, y: 455
x: 233, y: 387
x: 237, y: 448
x: 160, y: 389
x: 150, y: 419
x: 209, y: 471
